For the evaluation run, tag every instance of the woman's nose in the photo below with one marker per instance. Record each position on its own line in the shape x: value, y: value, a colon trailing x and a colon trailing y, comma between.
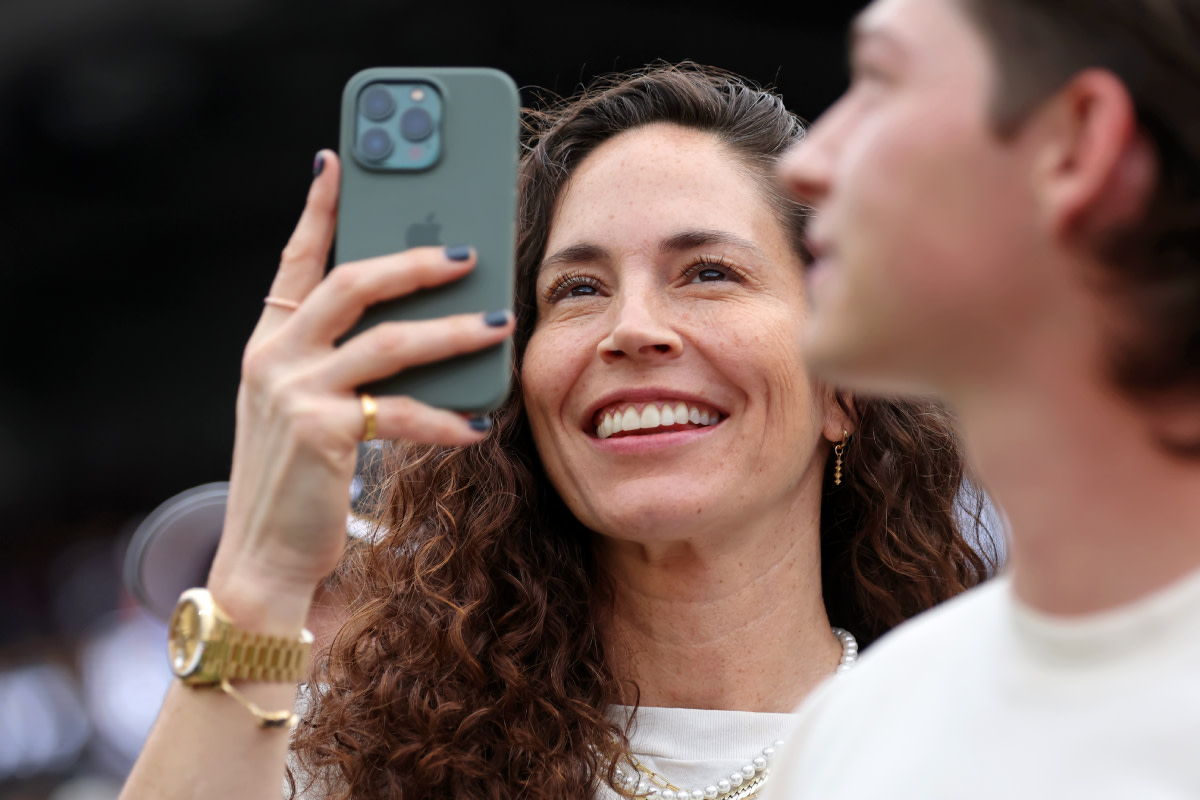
x: 642, y: 330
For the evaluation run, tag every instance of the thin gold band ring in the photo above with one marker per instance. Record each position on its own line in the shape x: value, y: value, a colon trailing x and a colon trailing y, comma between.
x: 280, y: 302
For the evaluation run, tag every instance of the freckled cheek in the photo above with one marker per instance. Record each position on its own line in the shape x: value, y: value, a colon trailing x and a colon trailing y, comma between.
x: 547, y: 438
x: 552, y: 365
x: 764, y: 335
x: 540, y: 394
x: 772, y: 367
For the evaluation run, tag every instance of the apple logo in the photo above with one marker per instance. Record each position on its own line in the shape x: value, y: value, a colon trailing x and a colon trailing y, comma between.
x: 423, y: 234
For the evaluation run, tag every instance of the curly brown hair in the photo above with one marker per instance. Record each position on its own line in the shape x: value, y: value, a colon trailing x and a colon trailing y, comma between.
x: 471, y: 665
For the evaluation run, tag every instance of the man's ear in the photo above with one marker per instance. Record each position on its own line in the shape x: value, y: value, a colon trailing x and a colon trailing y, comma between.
x: 840, y: 414
x: 1096, y: 169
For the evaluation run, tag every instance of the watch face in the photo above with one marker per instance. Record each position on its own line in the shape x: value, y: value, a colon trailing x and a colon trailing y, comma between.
x: 185, y: 645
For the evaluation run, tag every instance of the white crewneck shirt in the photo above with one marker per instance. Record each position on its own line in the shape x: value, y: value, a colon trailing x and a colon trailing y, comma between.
x: 690, y: 747
x: 693, y: 747
x: 984, y: 697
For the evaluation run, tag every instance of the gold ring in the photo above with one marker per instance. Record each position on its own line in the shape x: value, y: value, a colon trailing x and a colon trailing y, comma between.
x: 369, y: 408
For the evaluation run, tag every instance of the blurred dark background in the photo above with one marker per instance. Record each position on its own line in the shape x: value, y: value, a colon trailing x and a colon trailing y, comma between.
x: 156, y: 155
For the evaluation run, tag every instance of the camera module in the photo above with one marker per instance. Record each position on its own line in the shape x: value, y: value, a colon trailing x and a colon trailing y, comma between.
x: 397, y: 124
x: 377, y: 104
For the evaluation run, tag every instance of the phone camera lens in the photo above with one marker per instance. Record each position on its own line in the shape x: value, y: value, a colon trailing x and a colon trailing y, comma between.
x: 416, y: 124
x: 377, y: 104
x: 375, y: 144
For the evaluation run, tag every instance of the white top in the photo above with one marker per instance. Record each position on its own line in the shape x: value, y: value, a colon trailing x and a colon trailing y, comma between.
x: 691, y: 748
x: 694, y: 748
x: 985, y: 698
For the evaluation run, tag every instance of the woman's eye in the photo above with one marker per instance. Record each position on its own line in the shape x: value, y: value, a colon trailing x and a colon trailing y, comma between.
x: 710, y: 270
x: 573, y: 286
x: 710, y: 274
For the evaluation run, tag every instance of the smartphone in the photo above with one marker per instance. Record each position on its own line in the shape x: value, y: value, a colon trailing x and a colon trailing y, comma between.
x: 429, y: 157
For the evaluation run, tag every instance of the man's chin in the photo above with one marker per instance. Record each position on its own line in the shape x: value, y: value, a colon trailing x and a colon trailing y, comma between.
x: 858, y: 363
x: 829, y: 353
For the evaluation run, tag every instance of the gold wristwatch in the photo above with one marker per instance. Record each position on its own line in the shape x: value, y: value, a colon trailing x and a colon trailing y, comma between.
x: 206, y: 650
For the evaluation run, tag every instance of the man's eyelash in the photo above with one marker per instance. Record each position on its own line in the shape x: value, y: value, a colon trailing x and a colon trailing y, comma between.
x: 865, y: 69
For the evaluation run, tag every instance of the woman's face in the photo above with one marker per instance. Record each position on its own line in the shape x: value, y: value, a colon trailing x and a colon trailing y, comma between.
x: 663, y: 380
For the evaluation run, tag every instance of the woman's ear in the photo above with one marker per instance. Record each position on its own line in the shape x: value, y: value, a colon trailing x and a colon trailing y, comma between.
x: 840, y: 414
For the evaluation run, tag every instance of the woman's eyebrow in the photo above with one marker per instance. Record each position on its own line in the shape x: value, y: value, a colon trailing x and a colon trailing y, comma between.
x: 586, y: 252
x: 581, y: 253
x: 691, y: 239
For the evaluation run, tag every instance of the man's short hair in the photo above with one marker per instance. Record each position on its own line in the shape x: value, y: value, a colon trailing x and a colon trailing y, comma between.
x: 1153, y: 47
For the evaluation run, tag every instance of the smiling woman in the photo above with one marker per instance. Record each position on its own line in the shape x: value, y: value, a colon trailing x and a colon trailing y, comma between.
x: 622, y: 588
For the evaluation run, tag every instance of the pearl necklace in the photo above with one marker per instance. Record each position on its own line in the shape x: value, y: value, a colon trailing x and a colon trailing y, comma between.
x: 744, y: 784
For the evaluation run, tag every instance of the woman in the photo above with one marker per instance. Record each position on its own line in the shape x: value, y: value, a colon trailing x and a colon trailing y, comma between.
x: 624, y: 586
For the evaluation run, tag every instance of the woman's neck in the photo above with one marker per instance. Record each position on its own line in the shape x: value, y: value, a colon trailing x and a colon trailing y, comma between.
x: 738, y: 627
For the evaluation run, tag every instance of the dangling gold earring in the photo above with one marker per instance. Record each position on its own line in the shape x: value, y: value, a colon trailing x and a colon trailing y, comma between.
x: 838, y: 449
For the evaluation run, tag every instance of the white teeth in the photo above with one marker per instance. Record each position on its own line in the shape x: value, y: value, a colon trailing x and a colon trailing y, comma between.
x: 667, y: 418
x: 653, y: 417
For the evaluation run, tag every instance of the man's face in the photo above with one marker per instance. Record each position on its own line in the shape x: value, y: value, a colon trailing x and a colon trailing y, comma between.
x: 926, y: 264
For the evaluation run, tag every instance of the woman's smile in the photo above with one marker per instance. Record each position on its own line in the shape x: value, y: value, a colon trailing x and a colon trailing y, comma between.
x: 647, y: 418
x: 644, y: 413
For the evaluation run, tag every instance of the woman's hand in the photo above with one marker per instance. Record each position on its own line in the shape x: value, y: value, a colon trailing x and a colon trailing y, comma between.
x: 299, y: 418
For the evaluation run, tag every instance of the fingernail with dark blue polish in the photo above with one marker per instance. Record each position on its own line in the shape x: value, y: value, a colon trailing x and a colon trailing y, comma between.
x: 482, y: 424
x: 496, y: 319
x: 318, y: 164
x: 459, y: 252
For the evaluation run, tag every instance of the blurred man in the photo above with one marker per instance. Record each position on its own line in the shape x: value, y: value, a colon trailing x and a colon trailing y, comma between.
x: 1008, y: 202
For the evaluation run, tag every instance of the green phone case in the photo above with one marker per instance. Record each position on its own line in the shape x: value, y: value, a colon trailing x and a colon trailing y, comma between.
x: 468, y: 196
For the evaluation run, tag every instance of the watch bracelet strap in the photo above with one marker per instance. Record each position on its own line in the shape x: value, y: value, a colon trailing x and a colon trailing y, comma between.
x: 271, y: 659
